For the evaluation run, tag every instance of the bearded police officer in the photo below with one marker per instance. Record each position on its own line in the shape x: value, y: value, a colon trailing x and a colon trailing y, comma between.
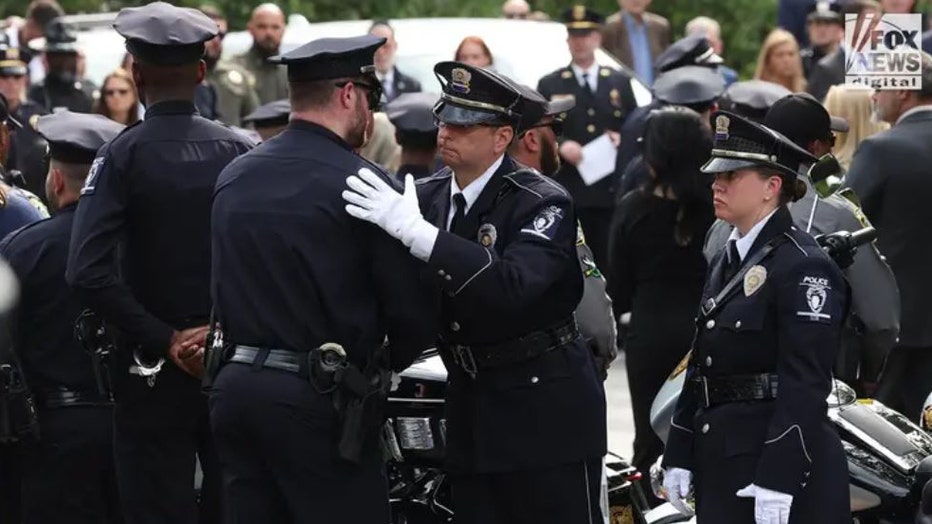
x: 301, y: 288
x: 604, y: 98
x: 525, y: 407
x: 148, y: 197
x: 68, y: 473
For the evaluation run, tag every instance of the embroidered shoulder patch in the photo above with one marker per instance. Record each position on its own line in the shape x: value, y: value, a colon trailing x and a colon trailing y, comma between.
x: 88, y: 188
x: 546, y: 223
x: 812, y: 298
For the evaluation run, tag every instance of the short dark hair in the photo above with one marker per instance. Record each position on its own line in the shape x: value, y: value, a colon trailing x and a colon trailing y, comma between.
x: 213, y: 12
x: 311, y: 95
x: 42, y: 12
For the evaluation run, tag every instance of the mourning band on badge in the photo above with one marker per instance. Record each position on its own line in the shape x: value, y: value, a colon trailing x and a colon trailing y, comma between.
x: 813, y: 297
x: 487, y: 235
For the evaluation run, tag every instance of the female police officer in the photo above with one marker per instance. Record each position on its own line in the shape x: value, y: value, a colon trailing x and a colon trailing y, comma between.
x: 750, y: 429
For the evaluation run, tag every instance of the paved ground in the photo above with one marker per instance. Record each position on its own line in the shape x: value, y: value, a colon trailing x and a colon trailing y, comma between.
x: 620, y: 421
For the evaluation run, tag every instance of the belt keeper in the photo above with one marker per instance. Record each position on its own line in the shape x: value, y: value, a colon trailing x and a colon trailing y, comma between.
x: 261, y: 356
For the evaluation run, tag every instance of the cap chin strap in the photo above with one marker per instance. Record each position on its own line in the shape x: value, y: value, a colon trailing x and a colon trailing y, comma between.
x: 726, y: 153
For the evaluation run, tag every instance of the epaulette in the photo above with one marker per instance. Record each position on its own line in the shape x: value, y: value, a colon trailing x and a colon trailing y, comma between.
x: 532, y: 181
x: 444, y: 174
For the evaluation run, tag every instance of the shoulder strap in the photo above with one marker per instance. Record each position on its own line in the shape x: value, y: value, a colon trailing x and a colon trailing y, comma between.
x: 711, y: 306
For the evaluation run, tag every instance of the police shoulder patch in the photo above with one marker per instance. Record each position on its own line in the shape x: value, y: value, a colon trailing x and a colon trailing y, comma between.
x: 546, y: 223
x: 811, y: 298
x: 91, y: 180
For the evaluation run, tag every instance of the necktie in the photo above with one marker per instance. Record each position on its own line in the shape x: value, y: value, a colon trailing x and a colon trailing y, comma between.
x: 460, y: 202
x: 584, y: 83
x: 734, y: 261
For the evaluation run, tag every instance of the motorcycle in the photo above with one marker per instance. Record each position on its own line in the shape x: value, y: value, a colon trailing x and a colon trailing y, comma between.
x: 414, y: 437
x: 889, y: 456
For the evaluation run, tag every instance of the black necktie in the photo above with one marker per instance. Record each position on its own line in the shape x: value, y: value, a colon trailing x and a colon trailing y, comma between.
x: 585, y: 85
x: 460, y: 202
x: 734, y: 261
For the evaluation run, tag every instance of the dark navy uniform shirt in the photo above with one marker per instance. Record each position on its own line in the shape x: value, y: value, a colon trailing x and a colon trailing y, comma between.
x: 292, y: 270
x: 28, y: 149
x: 44, y: 327
x: 149, y: 191
x: 54, y: 94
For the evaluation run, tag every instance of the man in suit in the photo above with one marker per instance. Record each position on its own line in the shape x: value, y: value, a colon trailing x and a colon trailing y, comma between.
x: 891, y: 175
x: 636, y: 37
x: 830, y: 70
x: 394, y: 82
x: 604, y: 99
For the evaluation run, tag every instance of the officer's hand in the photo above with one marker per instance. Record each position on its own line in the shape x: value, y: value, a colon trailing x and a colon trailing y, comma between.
x: 676, y: 484
x: 615, y: 137
x: 571, y: 152
x: 187, y: 350
x: 770, y: 507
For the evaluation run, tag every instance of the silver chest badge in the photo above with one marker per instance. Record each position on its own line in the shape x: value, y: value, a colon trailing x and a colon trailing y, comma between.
x: 487, y: 235
x: 754, y: 279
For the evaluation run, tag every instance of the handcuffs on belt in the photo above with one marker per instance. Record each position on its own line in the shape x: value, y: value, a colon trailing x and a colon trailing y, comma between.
x: 150, y: 373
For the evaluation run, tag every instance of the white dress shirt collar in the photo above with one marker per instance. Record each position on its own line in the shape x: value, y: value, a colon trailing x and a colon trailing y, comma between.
x: 472, y: 191
x: 744, y: 243
x: 591, y: 75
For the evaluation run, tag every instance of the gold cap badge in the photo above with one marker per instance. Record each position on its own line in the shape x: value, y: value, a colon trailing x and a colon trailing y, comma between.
x: 460, y: 79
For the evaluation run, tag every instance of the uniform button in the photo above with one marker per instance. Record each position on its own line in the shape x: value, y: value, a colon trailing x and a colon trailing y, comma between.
x: 738, y: 325
x: 441, y: 272
x: 708, y: 362
x: 705, y: 428
x: 591, y: 112
x: 455, y: 326
x: 448, y: 277
x: 617, y: 114
x: 590, y: 128
x: 534, y: 380
x: 710, y: 324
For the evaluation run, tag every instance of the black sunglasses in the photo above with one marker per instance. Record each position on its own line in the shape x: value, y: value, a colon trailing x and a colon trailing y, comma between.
x: 373, y: 93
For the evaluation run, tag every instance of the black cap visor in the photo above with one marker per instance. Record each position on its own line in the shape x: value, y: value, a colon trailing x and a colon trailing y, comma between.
x: 13, y: 68
x: 449, y: 112
x: 724, y: 164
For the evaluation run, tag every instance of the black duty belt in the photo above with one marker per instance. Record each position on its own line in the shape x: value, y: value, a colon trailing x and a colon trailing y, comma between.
x: 736, y: 388
x: 281, y: 359
x: 532, y: 345
x: 66, y: 398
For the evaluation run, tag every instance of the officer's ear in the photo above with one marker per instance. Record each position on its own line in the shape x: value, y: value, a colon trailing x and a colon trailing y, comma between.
x: 503, y: 137
x: 201, y: 71
x: 531, y: 141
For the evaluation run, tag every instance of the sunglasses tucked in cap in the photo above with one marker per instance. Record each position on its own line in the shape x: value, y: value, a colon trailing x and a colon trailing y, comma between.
x: 691, y: 50
x: 162, y: 34
x: 473, y: 95
x: 75, y: 137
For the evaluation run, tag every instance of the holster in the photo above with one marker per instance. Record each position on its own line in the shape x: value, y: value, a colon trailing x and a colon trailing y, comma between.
x: 100, y: 346
x: 18, y: 418
x: 361, y: 398
x: 213, y: 357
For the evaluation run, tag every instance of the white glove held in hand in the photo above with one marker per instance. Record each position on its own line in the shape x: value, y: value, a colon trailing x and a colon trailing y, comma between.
x: 770, y: 507
x: 369, y: 198
x: 676, y: 483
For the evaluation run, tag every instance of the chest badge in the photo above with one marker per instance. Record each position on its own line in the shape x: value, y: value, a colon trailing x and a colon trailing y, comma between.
x: 487, y: 235
x: 754, y: 279
x: 615, y: 97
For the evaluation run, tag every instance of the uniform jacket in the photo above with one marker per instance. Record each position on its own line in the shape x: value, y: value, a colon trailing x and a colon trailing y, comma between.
x: 43, y: 330
x: 148, y: 194
x: 18, y: 208
x: 402, y: 83
x: 595, y: 113
x: 615, y: 36
x: 890, y: 174
x: 235, y: 89
x: 546, y: 411
x: 810, y: 56
x: 28, y: 148
x: 874, y: 323
x: 827, y: 72
x: 271, y: 79
x: 293, y: 270
x: 53, y: 95
x: 789, y: 325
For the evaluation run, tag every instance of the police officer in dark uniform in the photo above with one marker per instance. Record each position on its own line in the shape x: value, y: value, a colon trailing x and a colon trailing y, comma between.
x: 62, y: 88
x: 270, y: 119
x: 68, y: 473
x: 148, y: 197
x: 751, y: 98
x: 695, y: 87
x: 27, y: 149
x: 525, y: 407
x: 415, y: 131
x: 826, y: 26
x: 18, y: 207
x: 750, y: 429
x: 294, y: 279
x: 604, y: 99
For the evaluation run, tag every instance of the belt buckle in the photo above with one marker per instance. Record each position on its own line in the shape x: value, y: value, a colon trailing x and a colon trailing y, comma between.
x: 460, y: 354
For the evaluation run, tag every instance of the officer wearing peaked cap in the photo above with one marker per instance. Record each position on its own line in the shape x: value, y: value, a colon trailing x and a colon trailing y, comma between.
x: 825, y: 24
x: 604, y: 99
x: 525, y: 406
x: 295, y: 275
x: 18, y: 206
x: 148, y: 197
x: 68, y: 474
x: 750, y: 428
x: 695, y: 87
x: 751, y: 98
x: 415, y: 131
x: 62, y: 88
x: 689, y: 50
x: 269, y: 119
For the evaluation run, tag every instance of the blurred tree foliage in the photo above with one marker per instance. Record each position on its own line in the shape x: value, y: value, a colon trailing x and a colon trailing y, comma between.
x: 745, y: 23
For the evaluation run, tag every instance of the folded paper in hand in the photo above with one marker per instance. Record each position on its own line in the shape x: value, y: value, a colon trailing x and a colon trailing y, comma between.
x: 598, y: 160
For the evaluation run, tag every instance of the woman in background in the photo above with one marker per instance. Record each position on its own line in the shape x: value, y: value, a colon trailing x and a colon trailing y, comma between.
x: 657, y: 266
x: 119, y: 100
x: 853, y: 103
x: 779, y: 61
x: 473, y: 51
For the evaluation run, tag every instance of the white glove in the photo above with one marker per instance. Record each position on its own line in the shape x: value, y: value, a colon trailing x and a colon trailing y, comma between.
x: 369, y: 198
x: 676, y: 484
x: 770, y: 507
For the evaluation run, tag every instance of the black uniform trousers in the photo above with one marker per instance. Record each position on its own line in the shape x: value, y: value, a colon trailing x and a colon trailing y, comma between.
x: 906, y: 380
x: 277, y: 440
x: 10, y: 481
x: 68, y: 475
x: 564, y: 494
x: 159, y: 434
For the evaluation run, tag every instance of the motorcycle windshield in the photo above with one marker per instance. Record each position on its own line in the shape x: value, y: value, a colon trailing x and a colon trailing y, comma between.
x: 885, y: 432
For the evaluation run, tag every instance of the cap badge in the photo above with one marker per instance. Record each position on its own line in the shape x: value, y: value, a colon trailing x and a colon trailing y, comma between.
x: 579, y: 12
x: 754, y: 279
x: 822, y: 7
x: 459, y: 80
x: 12, y: 53
x: 721, y: 127
x: 487, y: 235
